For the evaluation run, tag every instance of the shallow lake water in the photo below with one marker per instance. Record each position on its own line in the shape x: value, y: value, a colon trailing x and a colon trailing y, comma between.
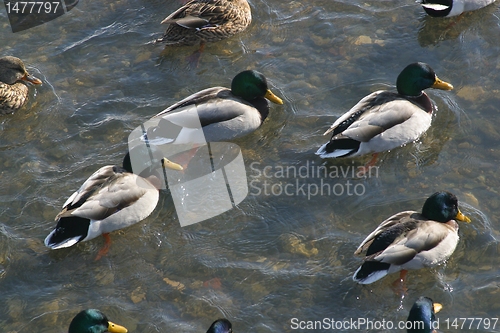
x: 278, y: 255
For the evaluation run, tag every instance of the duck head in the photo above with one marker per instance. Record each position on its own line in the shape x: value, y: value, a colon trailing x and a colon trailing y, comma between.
x: 221, y: 326
x: 422, y: 315
x: 250, y: 85
x: 443, y: 207
x: 417, y: 77
x: 12, y: 70
x: 93, y: 321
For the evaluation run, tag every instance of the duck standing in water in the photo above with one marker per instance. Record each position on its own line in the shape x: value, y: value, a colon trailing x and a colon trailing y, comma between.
x: 13, y: 88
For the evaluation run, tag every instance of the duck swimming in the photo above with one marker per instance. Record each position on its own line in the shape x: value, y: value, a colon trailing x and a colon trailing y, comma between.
x: 111, y: 198
x: 13, y: 88
x: 411, y: 240
x: 93, y: 321
x: 422, y: 316
x: 221, y: 326
x: 201, y: 21
x: 224, y: 114
x: 385, y: 120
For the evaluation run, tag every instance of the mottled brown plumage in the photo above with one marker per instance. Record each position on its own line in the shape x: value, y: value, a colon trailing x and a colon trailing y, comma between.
x: 200, y: 21
x: 13, y: 90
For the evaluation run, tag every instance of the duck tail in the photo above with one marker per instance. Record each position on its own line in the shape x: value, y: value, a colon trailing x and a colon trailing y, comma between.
x: 338, y: 148
x: 69, y: 231
x: 166, y: 132
x: 370, y: 272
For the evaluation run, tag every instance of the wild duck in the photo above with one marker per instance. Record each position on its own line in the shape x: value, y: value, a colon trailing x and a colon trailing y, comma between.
x: 200, y: 21
x: 111, y: 198
x: 411, y: 240
x: 13, y: 88
x: 221, y: 326
x: 224, y: 114
x: 422, y: 316
x: 93, y: 321
x: 385, y: 120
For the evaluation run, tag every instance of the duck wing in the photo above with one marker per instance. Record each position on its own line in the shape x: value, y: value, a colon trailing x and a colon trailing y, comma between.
x: 426, y: 237
x: 200, y: 98
x: 200, y: 14
x: 381, y: 121
x: 402, y: 237
x: 389, y: 228
x: 222, y: 116
x: 91, y: 185
x: 108, y: 190
x: 109, y: 199
x: 371, y: 116
x: 213, y: 105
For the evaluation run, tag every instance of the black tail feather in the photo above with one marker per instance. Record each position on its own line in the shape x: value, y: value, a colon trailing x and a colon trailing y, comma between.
x: 368, y: 268
x: 342, y: 144
x: 69, y: 227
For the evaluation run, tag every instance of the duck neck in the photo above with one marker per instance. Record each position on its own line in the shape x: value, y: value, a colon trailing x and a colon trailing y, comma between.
x: 423, y: 101
x: 127, y: 163
x: 261, y: 104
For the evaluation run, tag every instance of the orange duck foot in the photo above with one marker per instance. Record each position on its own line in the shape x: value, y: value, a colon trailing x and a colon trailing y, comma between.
x: 105, y: 249
x: 399, y: 286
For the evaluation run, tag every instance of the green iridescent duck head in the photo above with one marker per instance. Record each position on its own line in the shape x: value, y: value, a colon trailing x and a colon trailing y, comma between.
x: 221, y: 326
x: 443, y: 207
x: 417, y: 77
x: 93, y: 321
x: 422, y: 316
x: 250, y: 85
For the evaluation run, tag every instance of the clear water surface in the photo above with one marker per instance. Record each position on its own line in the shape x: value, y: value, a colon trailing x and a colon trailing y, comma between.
x: 275, y: 257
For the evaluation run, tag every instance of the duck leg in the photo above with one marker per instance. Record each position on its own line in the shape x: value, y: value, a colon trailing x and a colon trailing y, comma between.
x: 194, y: 58
x: 363, y: 171
x: 452, y: 24
x: 399, y: 285
x: 105, y: 249
x: 185, y: 157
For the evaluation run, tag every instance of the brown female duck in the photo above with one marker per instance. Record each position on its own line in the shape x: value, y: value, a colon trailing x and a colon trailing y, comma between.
x: 13, y: 88
x: 200, y: 21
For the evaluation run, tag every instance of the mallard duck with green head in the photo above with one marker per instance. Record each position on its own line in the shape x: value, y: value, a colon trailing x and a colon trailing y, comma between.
x: 13, y: 88
x: 200, y: 21
x: 111, y: 198
x: 411, y: 240
x: 224, y: 114
x: 93, y: 321
x: 221, y: 326
x: 385, y: 120
x: 422, y: 316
